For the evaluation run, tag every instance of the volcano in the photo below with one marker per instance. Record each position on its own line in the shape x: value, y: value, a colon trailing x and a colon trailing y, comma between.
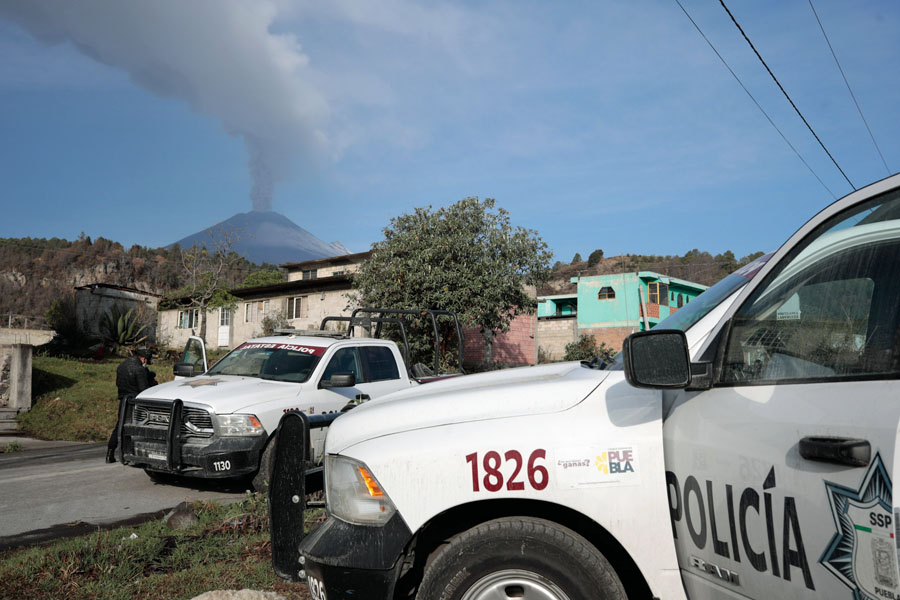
x: 268, y: 236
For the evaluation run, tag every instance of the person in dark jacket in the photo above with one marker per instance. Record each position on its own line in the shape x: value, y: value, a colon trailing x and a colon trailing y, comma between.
x: 132, y: 378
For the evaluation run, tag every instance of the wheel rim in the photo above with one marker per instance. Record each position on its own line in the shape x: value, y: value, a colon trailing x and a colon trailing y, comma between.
x: 514, y: 584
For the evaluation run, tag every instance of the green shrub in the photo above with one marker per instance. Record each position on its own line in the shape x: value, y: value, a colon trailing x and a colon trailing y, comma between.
x: 586, y: 348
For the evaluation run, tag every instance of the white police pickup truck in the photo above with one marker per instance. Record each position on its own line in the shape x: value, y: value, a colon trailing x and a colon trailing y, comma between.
x: 742, y: 449
x: 220, y: 424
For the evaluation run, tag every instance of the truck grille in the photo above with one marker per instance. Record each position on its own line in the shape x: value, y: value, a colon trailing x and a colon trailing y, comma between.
x: 196, y: 422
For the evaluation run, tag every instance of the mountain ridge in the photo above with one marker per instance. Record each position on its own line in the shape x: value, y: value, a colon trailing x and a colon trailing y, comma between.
x: 267, y: 236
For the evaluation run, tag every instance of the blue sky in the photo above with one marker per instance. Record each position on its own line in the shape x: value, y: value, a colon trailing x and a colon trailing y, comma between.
x: 599, y: 124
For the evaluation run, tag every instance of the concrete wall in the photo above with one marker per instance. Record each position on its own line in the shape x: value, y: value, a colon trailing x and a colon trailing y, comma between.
x: 15, y: 365
x: 624, y: 311
x: 5, y: 378
x: 93, y: 301
x: 172, y: 336
x: 315, y: 306
x: 322, y: 271
x: 621, y: 311
x: 552, y: 336
x: 556, y: 306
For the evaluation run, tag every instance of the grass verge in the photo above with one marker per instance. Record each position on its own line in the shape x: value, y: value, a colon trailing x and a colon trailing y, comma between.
x: 75, y: 399
x: 228, y: 548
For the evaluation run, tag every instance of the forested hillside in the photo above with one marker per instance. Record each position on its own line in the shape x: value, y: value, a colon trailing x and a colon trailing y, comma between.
x: 35, y: 271
x: 696, y: 265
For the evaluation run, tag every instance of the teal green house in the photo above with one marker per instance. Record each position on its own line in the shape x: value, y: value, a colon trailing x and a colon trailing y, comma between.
x: 611, y: 307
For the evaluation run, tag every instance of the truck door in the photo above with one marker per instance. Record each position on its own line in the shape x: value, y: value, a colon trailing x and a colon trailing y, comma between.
x: 780, y: 475
x: 344, y: 360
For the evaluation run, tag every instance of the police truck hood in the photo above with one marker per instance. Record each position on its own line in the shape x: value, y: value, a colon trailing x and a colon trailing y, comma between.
x: 494, y: 395
x: 227, y: 393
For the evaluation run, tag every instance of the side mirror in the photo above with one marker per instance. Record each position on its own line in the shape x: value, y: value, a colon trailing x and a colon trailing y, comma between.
x: 183, y: 369
x: 657, y: 359
x: 339, y: 380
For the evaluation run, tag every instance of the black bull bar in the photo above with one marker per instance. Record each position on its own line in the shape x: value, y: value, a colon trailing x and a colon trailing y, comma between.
x: 293, y: 477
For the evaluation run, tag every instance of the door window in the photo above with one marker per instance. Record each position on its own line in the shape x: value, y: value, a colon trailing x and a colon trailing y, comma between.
x: 380, y: 363
x: 194, y: 354
x: 345, y: 360
x: 828, y: 311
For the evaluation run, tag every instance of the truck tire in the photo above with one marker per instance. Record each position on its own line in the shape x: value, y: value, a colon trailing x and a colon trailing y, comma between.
x: 266, y: 463
x: 519, y: 557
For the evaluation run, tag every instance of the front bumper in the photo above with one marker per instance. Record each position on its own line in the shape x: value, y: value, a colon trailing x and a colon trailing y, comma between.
x: 169, y: 449
x: 345, y: 561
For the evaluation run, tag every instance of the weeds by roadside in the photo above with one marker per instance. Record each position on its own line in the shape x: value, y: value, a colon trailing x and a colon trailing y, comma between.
x: 228, y: 548
x: 12, y: 447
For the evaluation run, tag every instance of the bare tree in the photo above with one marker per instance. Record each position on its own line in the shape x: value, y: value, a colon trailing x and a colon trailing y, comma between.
x: 205, y: 271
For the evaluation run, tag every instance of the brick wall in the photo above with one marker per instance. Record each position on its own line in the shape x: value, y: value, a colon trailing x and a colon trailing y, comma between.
x: 611, y: 336
x: 514, y: 348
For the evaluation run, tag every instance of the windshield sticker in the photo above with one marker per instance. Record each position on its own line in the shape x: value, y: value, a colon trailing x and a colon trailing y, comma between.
x: 862, y: 553
x: 749, y: 271
x: 201, y: 382
x: 580, y: 467
x: 311, y: 350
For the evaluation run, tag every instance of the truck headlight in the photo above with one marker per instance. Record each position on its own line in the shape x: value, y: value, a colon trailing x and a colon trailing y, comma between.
x: 234, y: 425
x: 353, y: 494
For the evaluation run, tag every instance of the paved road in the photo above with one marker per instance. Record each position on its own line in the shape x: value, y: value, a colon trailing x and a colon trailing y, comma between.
x: 55, y: 489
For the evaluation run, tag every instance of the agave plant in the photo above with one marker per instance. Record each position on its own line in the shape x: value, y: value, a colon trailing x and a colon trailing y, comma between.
x: 122, y: 328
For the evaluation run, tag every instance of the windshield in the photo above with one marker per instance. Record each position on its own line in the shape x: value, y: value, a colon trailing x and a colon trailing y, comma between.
x: 276, y: 362
x: 698, y: 308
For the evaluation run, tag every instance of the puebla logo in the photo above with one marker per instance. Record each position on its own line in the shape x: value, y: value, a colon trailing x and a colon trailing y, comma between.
x: 862, y: 553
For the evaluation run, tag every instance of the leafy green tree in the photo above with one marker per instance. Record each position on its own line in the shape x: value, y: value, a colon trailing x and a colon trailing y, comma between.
x: 576, y: 258
x: 595, y: 257
x: 262, y: 277
x: 467, y: 258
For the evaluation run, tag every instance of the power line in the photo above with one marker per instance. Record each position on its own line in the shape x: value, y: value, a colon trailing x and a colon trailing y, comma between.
x: 775, y: 79
x: 849, y: 89
x: 758, y: 105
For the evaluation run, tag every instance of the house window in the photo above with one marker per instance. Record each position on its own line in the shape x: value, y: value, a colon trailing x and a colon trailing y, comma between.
x: 680, y: 300
x: 188, y: 319
x: 224, y: 317
x: 659, y: 293
x: 296, y: 307
x: 255, y: 311
x: 606, y: 293
x: 310, y: 274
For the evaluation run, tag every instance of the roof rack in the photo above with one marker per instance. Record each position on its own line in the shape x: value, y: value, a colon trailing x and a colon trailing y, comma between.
x: 430, y: 313
x: 313, y: 333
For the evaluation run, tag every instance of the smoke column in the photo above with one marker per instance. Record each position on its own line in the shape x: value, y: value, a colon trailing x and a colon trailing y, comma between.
x: 218, y: 56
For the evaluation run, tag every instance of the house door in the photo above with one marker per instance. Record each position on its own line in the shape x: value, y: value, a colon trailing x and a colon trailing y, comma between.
x: 224, y: 328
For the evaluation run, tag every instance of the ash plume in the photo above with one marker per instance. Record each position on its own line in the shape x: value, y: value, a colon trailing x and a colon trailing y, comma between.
x: 218, y: 56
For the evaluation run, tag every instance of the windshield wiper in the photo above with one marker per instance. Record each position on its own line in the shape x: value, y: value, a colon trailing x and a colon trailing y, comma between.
x: 595, y: 363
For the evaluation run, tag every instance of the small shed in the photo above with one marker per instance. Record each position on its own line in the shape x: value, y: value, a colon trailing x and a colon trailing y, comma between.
x: 94, y: 300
